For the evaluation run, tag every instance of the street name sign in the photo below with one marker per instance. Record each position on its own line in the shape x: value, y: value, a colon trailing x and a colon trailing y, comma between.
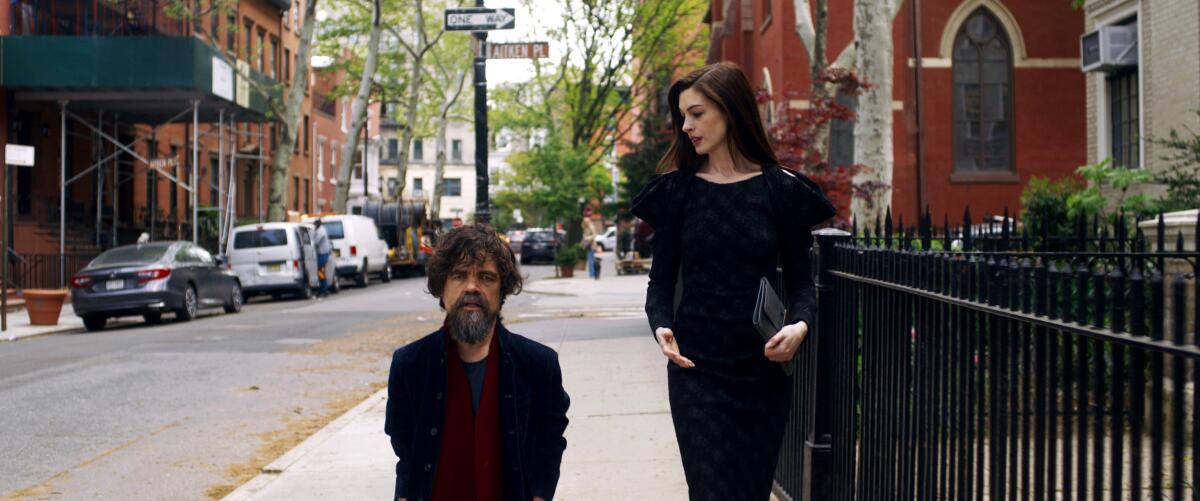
x: 527, y: 50
x: 18, y: 154
x: 480, y: 19
x: 163, y: 163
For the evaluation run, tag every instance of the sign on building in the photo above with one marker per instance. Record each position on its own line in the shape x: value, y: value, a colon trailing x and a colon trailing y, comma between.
x: 18, y: 154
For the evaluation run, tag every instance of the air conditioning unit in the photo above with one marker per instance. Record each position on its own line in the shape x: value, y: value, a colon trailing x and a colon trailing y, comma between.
x: 1110, y: 48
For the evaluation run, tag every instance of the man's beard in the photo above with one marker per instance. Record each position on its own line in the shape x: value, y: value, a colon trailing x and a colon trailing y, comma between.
x: 471, y: 326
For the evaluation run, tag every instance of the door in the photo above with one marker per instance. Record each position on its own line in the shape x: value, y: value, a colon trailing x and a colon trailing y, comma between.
x: 308, y: 255
x: 210, y: 281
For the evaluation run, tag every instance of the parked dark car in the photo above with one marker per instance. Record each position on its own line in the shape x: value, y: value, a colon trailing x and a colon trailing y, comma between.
x: 539, y: 245
x: 150, y: 279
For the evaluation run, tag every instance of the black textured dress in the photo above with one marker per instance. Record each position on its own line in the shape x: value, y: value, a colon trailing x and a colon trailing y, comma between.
x: 729, y: 410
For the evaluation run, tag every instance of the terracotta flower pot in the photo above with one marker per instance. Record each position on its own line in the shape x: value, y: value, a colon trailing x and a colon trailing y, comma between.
x: 44, y: 305
x: 567, y: 271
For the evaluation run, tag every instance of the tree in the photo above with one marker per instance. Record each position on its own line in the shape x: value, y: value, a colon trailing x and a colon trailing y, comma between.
x: 613, y: 54
x: 416, y: 51
x: 873, y: 128
x: 358, y: 110
x: 553, y: 178
x: 280, y: 163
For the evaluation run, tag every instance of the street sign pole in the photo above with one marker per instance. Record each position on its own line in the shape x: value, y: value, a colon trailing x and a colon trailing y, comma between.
x: 482, y: 214
x: 14, y: 155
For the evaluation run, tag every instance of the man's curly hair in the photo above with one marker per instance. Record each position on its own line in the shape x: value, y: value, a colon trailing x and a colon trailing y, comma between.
x: 472, y: 244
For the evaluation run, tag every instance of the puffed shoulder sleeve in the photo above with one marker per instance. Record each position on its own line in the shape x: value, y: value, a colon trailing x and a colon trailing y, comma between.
x: 658, y: 202
x: 804, y: 202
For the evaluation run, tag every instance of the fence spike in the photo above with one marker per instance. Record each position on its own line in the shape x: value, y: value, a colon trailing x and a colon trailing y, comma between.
x: 1179, y: 241
x: 854, y: 226
x: 967, y: 228
x: 946, y: 242
x: 887, y: 225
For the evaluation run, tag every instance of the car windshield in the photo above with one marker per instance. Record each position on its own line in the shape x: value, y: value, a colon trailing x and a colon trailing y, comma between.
x: 334, y: 229
x: 252, y: 239
x: 540, y: 237
x: 131, y: 254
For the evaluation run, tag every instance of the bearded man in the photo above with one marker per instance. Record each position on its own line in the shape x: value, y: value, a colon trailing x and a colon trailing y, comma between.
x: 475, y: 412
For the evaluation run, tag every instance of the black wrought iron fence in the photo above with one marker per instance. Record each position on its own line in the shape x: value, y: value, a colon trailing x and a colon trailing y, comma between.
x: 1004, y: 367
x: 42, y: 271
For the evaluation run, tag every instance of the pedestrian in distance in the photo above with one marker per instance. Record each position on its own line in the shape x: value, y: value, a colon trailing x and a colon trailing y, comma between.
x: 474, y: 411
x: 323, y: 247
x: 725, y: 214
x: 597, y: 250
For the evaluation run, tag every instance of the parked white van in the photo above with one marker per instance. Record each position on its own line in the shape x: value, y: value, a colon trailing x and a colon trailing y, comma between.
x: 358, y: 249
x: 273, y: 258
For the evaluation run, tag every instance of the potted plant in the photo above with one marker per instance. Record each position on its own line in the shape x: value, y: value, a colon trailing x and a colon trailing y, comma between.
x: 44, y: 305
x: 566, y: 258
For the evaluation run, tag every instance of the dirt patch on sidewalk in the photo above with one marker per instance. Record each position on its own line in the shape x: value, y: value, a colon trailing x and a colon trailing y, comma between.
x: 367, y: 352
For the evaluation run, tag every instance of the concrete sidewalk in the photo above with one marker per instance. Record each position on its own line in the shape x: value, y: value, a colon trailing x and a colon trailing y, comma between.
x: 620, y: 442
x: 19, y: 327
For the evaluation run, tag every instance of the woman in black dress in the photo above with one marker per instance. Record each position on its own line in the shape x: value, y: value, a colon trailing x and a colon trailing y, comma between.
x: 725, y: 214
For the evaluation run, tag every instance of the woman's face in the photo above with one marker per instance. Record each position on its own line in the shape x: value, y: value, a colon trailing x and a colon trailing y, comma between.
x: 703, y: 121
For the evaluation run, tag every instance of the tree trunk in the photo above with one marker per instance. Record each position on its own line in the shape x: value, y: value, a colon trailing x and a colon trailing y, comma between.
x: 414, y: 101
x: 281, y: 163
x: 873, y: 127
x: 439, y: 166
x: 358, y: 112
x: 439, y: 169
x: 817, y: 68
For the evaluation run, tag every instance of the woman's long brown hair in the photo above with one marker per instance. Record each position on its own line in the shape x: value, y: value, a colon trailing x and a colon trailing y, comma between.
x: 726, y: 85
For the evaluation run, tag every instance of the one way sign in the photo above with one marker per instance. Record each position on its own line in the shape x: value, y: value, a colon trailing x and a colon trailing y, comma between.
x: 480, y: 19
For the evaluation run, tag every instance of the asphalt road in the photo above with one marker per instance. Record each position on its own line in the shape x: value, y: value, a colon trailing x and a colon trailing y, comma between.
x: 189, y: 410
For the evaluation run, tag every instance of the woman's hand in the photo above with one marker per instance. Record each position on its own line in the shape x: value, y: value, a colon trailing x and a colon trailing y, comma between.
x: 783, y: 345
x: 670, y: 349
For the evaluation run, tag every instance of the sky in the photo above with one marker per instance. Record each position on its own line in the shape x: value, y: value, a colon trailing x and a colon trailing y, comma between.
x: 530, y: 27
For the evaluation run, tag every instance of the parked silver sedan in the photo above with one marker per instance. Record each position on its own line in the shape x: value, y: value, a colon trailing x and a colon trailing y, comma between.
x: 150, y: 279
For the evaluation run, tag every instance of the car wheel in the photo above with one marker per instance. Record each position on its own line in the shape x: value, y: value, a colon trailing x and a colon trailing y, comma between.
x: 304, y: 291
x: 191, y: 305
x: 335, y: 285
x: 386, y: 274
x: 235, y: 298
x: 361, y: 279
x: 94, y: 323
x: 152, y: 318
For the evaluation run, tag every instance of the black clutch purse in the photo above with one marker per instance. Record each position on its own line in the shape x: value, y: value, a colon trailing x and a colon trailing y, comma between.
x: 769, y: 316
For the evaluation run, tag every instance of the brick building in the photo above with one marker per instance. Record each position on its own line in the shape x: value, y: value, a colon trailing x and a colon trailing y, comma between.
x: 1147, y: 90
x: 998, y: 82
x: 129, y: 82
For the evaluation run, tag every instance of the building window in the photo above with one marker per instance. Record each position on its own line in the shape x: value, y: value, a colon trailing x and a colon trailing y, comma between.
x: 214, y: 24
x: 841, y: 135
x: 418, y: 149
x: 231, y: 37
x: 260, y: 49
x: 248, y: 48
x: 272, y: 55
x: 456, y: 150
x: 333, y: 151
x: 418, y: 187
x: 982, y: 69
x: 306, y: 137
x: 296, y: 190
x: 1123, y: 107
x: 393, y: 149
x: 320, y: 159
x: 453, y: 187
x: 307, y: 196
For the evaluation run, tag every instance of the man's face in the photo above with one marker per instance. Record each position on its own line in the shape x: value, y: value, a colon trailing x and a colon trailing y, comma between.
x: 472, y: 300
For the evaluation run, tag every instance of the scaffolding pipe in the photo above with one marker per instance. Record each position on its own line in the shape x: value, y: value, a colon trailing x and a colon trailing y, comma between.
x: 261, y: 154
x: 220, y: 157
x: 62, y: 196
x: 99, y: 177
x: 195, y: 159
x: 116, y: 184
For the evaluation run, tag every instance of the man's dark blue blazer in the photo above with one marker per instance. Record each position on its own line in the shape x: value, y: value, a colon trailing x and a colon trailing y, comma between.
x: 533, y: 415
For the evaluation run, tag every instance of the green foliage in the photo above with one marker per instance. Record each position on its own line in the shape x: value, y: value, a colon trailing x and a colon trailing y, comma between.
x: 1044, y: 204
x: 1103, y: 178
x: 551, y: 179
x: 1182, y: 175
x: 568, y: 255
x: 640, y: 165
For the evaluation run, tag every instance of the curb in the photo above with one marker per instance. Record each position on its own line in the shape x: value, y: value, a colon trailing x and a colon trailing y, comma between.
x: 271, y: 472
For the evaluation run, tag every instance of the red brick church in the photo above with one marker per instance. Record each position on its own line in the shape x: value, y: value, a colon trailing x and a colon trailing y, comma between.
x: 996, y: 96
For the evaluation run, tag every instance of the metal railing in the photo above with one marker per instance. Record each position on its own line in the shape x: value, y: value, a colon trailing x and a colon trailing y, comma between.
x: 1012, y: 367
x: 41, y: 271
x: 96, y: 18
